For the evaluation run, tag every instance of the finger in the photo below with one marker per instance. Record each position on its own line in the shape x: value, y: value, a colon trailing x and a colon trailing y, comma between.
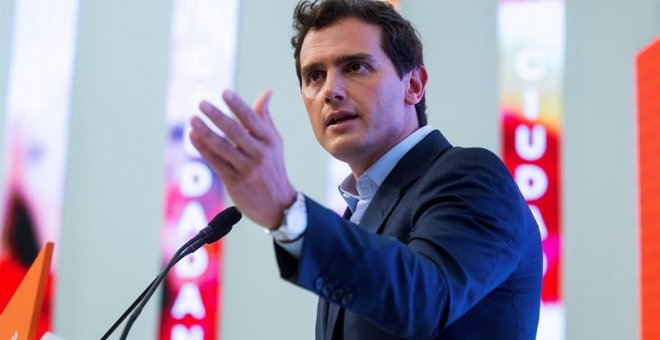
x: 261, y: 107
x: 245, y: 114
x: 226, y: 172
x: 236, y: 133
x: 221, y: 167
x: 215, y: 148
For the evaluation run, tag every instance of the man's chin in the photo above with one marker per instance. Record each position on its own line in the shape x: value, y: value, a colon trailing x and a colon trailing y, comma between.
x: 345, y: 149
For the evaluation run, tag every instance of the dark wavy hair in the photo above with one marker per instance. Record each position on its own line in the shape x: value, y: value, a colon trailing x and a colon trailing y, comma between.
x: 400, y: 40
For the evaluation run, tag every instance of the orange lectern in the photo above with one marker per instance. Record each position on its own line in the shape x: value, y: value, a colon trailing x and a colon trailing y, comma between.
x: 19, y: 319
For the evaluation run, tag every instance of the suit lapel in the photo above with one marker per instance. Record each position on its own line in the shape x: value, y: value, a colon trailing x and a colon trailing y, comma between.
x: 413, y: 164
x: 347, y: 214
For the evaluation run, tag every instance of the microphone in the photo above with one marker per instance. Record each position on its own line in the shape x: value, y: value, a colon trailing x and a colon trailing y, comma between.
x: 217, y: 228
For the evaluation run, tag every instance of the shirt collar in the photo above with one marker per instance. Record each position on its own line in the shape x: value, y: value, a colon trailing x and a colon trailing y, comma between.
x: 369, y: 182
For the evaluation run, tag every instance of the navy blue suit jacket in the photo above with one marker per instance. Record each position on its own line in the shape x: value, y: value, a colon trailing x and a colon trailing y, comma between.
x: 447, y: 249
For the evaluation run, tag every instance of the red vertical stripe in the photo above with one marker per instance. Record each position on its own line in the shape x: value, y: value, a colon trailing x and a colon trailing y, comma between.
x: 648, y: 96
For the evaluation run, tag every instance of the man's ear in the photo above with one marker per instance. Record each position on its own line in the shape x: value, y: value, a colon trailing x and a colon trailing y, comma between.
x: 417, y: 79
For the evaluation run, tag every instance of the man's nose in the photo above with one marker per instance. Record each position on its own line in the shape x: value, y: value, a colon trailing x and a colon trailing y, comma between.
x: 334, y: 90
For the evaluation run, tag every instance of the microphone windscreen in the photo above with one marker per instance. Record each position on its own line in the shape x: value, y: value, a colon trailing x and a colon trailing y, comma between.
x: 229, y: 216
x: 222, y: 223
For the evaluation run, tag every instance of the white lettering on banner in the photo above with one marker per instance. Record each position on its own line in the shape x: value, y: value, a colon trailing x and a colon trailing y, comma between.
x: 195, y: 179
x: 192, y: 219
x: 543, y: 230
x: 531, y: 145
x: 188, y: 301
x: 539, y: 220
x: 180, y: 332
x: 532, y: 181
x: 193, y: 265
x: 530, y: 64
x: 531, y: 103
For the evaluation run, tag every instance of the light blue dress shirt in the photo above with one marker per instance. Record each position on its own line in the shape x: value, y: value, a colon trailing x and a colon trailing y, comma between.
x: 358, y: 194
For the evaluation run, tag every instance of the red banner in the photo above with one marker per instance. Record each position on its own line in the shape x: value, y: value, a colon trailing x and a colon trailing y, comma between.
x: 531, y: 38
x: 202, y: 59
x: 34, y: 150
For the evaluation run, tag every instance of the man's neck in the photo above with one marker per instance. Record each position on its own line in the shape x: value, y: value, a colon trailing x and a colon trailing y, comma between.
x: 359, y: 168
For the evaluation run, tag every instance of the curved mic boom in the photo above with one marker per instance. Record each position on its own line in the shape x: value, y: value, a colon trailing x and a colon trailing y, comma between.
x: 219, y: 226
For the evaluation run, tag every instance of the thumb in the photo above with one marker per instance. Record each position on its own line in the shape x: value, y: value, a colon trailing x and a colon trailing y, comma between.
x: 261, y: 105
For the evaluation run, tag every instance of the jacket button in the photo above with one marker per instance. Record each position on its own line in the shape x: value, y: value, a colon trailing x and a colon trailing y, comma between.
x: 327, y: 289
x: 337, y: 295
x: 318, y: 284
x: 348, y: 298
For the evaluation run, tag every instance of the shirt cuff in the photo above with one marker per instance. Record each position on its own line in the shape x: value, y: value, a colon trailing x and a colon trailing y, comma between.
x: 294, y: 248
x: 290, y: 234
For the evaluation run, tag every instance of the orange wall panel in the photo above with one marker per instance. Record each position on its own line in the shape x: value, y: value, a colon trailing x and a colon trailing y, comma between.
x: 648, y: 101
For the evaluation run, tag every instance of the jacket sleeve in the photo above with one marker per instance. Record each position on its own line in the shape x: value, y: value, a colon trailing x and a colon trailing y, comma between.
x: 465, y: 237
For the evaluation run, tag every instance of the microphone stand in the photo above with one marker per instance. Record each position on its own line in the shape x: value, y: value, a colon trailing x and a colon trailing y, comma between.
x: 219, y: 226
x: 144, y: 292
x: 152, y: 288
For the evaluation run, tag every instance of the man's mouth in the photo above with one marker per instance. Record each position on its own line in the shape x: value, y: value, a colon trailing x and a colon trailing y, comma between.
x: 340, y: 117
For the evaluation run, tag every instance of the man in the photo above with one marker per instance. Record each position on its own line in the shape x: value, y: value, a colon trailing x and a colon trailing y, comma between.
x: 437, y: 242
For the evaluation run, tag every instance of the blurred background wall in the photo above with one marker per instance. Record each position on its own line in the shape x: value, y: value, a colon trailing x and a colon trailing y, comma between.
x: 109, y: 248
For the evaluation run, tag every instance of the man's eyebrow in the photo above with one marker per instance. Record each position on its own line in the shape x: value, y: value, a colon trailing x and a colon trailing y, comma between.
x: 353, y: 57
x: 311, y: 67
x: 345, y: 59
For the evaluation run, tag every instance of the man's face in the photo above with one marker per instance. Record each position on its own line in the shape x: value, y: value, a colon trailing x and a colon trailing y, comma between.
x: 357, y: 104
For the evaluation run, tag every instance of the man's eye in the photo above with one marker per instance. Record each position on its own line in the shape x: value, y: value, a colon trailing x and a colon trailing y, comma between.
x: 313, y: 76
x: 357, y: 67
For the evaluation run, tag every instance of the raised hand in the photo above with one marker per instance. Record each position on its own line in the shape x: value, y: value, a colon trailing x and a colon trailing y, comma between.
x: 249, y: 158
